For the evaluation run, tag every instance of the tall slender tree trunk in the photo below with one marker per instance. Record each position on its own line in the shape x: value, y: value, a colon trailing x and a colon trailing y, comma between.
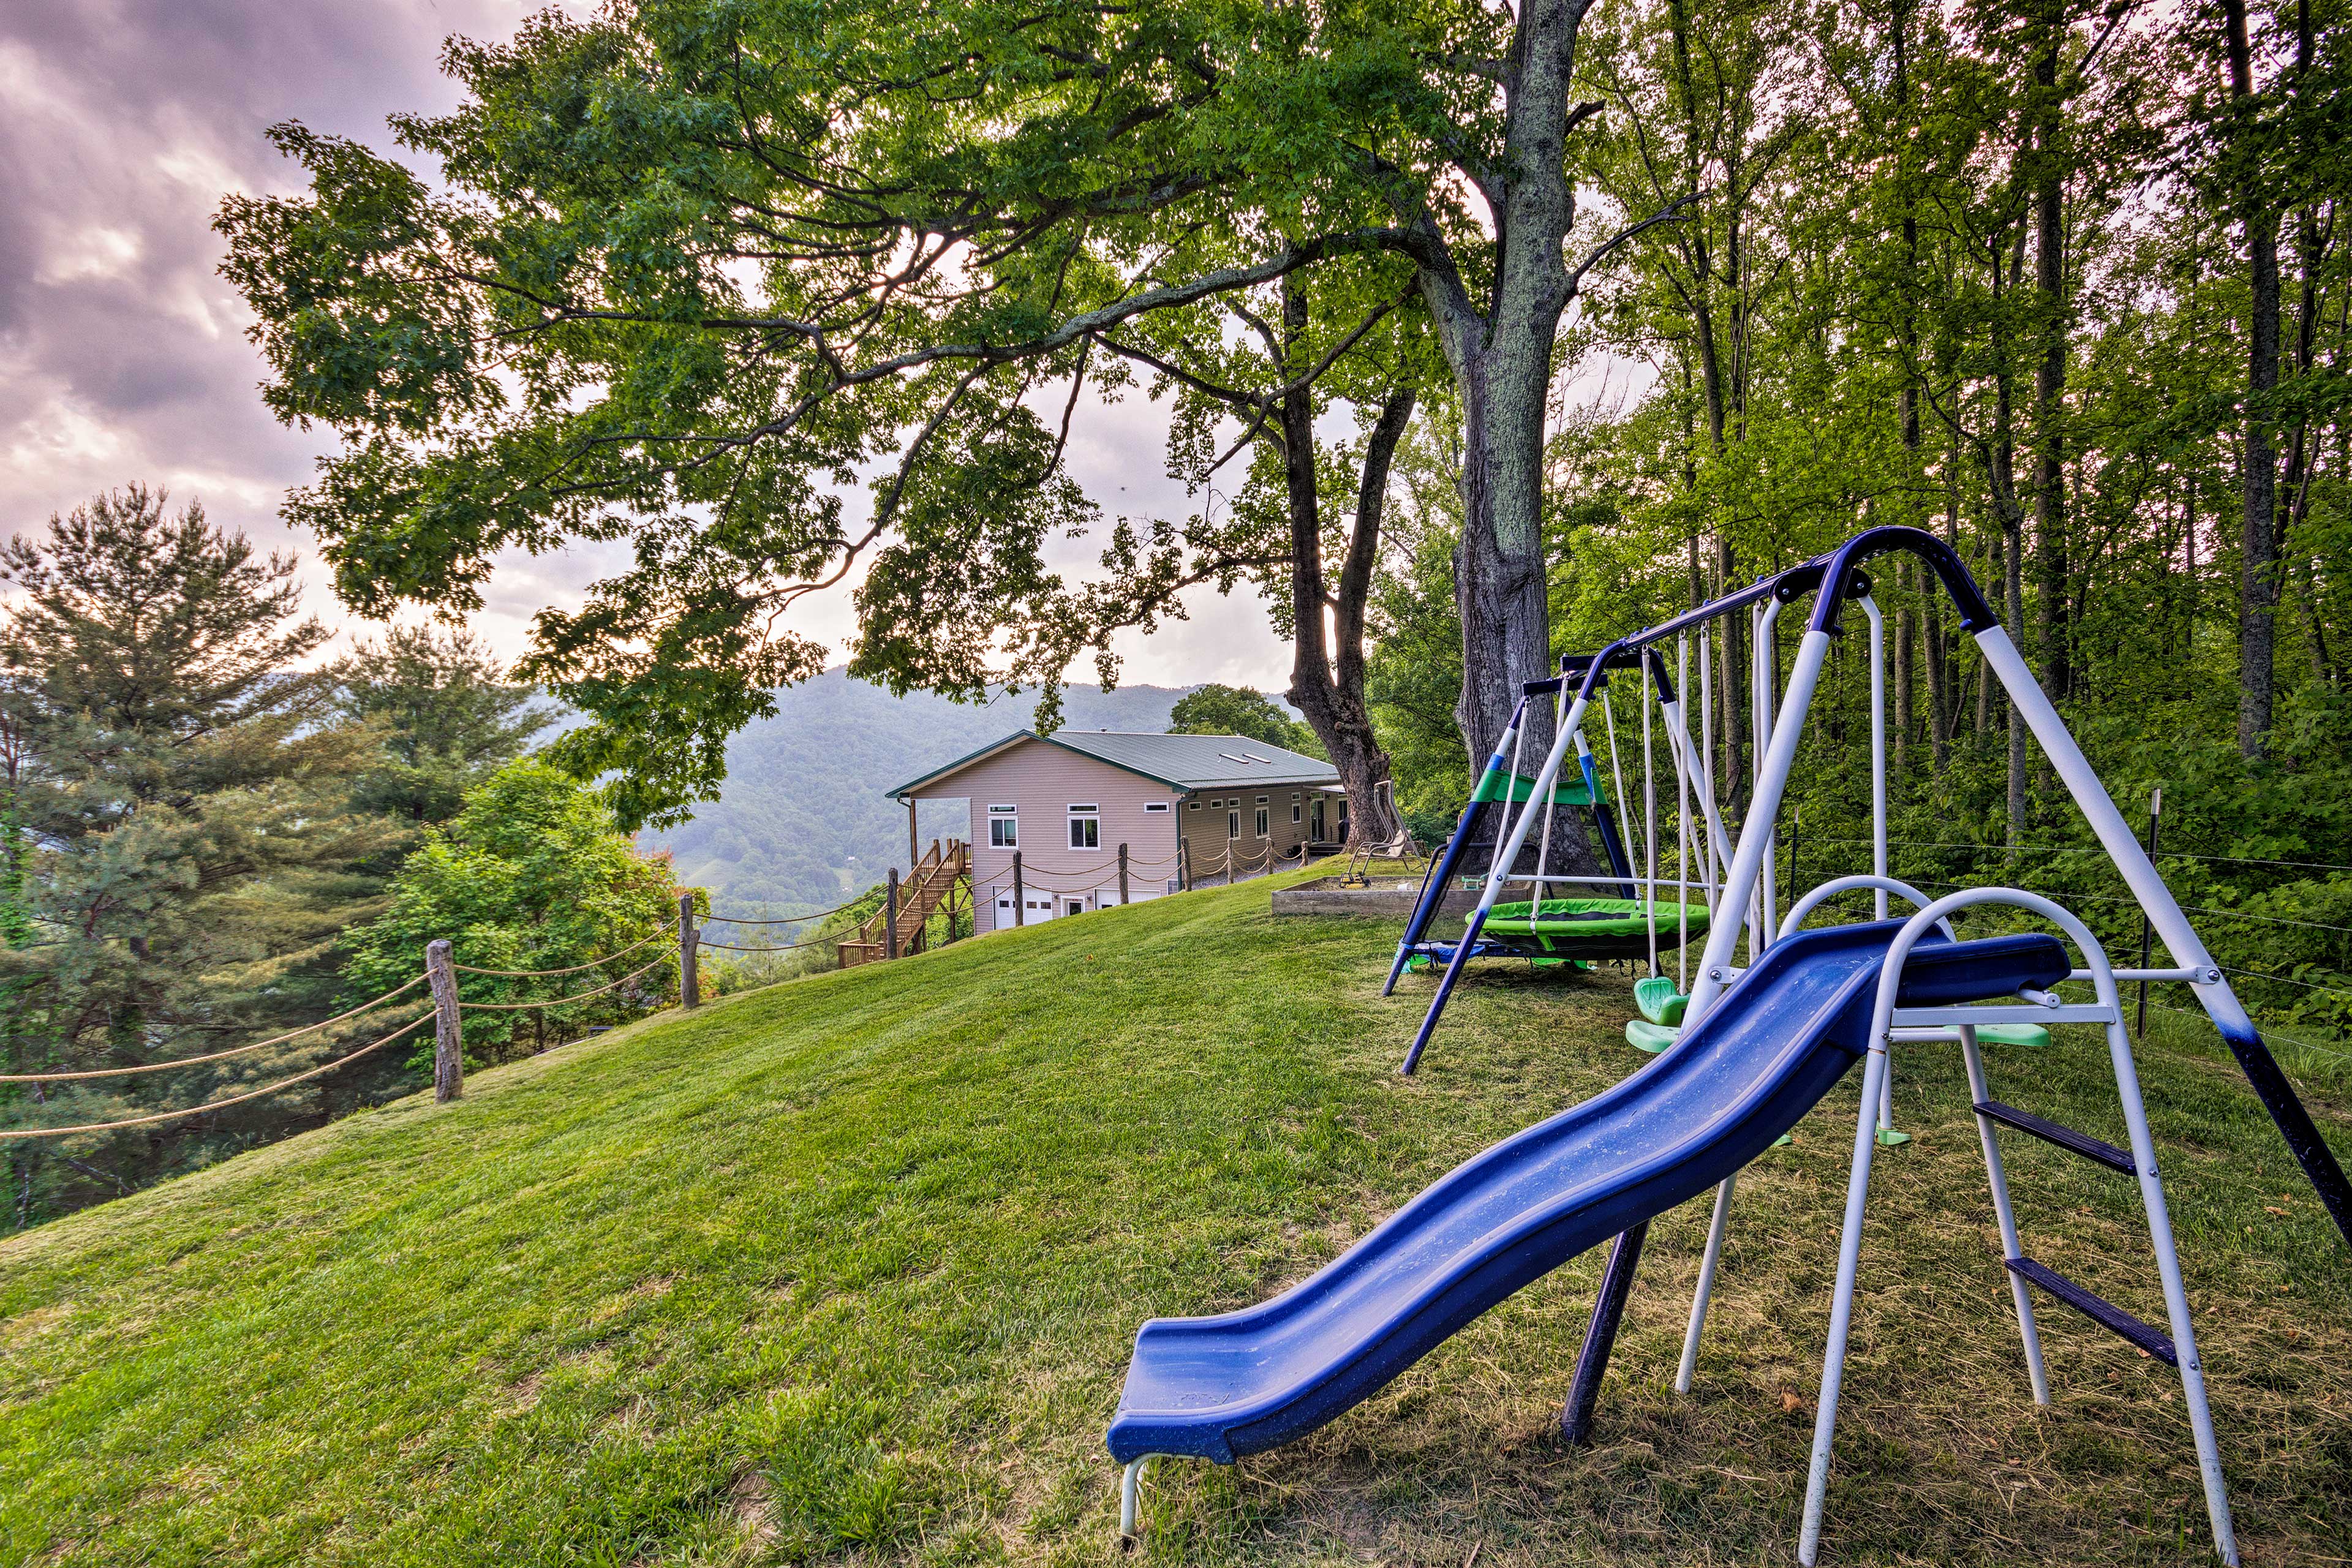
x: 2053, y: 569
x: 1327, y: 677
x: 2258, y: 571
x: 1902, y: 676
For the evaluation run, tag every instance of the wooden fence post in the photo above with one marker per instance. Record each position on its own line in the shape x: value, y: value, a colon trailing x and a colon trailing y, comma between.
x: 448, y: 1044
x: 1020, y: 905
x: 1122, y: 876
x: 689, y: 977
x: 1183, y: 864
x: 890, y: 917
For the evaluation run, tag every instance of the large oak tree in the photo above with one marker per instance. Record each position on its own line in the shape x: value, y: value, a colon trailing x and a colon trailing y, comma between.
x: 691, y: 271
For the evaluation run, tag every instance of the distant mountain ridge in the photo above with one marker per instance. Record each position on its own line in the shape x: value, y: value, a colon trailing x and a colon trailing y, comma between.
x: 802, y: 816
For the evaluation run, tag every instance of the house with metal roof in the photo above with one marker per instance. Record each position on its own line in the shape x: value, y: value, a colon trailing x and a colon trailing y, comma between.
x: 1080, y: 819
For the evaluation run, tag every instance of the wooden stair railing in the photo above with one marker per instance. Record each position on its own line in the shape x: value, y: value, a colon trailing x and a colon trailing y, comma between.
x: 921, y: 894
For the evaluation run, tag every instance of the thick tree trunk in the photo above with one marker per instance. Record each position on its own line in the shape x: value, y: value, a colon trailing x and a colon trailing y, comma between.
x: 1501, y: 360
x: 1500, y: 580
x: 1500, y: 584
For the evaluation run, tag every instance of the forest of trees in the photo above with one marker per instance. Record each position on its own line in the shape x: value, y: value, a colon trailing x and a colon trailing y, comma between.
x: 2065, y: 285
x: 1487, y: 333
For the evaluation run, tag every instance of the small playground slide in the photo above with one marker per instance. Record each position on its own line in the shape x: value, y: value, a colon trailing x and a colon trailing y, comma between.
x: 1218, y: 1388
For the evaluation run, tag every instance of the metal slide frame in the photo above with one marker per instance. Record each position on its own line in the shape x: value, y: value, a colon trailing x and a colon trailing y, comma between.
x: 1834, y: 579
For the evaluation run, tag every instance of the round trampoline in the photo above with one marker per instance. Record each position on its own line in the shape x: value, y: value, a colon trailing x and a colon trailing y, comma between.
x: 1592, y: 928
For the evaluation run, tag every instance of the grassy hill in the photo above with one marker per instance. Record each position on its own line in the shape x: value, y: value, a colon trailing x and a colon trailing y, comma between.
x: 803, y: 793
x: 847, y: 1270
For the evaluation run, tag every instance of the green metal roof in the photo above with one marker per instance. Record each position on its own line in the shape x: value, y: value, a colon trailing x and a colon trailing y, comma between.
x: 1179, y: 762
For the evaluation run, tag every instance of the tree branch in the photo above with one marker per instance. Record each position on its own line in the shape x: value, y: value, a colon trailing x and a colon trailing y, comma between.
x: 1671, y: 212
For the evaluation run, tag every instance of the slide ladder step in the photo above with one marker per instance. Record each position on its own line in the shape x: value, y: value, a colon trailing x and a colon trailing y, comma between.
x: 2100, y: 1311
x: 2094, y: 1149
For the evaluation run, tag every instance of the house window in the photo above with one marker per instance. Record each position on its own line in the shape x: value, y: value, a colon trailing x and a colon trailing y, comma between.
x: 1232, y: 825
x: 1004, y: 827
x: 1261, y: 822
x: 1155, y: 806
x: 1086, y: 827
x: 1297, y: 812
x: 1193, y: 805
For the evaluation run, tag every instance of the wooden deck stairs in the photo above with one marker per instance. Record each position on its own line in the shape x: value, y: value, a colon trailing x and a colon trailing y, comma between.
x: 922, y: 894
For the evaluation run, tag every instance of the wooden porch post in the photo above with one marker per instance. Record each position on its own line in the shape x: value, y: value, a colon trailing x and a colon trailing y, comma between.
x: 914, y: 858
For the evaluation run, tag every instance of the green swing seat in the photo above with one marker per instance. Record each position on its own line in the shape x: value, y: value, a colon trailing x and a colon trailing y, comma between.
x: 1590, y: 928
x: 1653, y: 1037
x: 1660, y: 1000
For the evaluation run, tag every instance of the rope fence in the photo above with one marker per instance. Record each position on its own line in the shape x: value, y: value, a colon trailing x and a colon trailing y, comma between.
x: 552, y: 973
x: 2088, y: 849
x: 323, y: 1069
x: 447, y: 1007
x: 775, y: 920
x: 2262, y: 976
x: 214, y: 1056
x: 780, y: 947
x: 563, y: 1001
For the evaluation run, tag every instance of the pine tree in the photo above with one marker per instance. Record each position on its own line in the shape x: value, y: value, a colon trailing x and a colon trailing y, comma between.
x: 449, y: 715
x: 180, y: 799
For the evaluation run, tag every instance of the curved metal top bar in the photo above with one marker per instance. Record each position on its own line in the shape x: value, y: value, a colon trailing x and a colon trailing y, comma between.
x: 1844, y: 565
x: 1975, y: 614
x: 1575, y: 664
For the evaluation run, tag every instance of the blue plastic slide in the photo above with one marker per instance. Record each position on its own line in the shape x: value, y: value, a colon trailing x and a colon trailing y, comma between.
x: 1218, y: 1388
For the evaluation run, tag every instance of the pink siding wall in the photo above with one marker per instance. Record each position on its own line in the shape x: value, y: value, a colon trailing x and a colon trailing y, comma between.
x: 1044, y: 781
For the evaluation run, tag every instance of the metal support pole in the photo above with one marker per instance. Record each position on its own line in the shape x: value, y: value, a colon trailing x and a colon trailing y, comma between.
x: 689, y: 979
x: 1122, y: 876
x: 1020, y: 910
x: 448, y: 1047
x: 1601, y: 1334
x: 1716, y: 1227
x: 890, y: 917
x: 2147, y: 930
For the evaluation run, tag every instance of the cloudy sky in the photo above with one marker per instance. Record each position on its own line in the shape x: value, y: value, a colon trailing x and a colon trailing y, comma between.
x: 122, y: 353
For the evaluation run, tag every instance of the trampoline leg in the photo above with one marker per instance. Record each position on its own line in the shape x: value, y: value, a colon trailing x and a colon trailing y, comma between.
x: 1601, y: 1334
x: 1706, y: 1290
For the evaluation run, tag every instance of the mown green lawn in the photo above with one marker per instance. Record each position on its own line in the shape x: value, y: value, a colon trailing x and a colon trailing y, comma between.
x: 848, y: 1268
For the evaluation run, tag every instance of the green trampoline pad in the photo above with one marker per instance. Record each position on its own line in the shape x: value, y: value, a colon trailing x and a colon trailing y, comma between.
x: 1592, y: 928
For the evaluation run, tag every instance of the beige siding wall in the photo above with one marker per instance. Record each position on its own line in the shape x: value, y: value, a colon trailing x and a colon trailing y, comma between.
x: 1044, y: 781
x: 1205, y: 829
